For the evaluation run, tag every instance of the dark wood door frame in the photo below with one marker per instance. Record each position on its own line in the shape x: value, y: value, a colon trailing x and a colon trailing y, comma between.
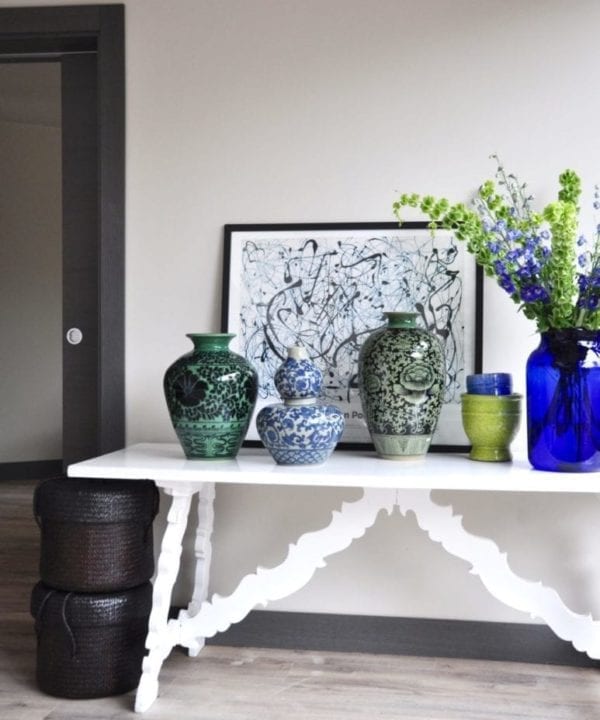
x: 31, y: 33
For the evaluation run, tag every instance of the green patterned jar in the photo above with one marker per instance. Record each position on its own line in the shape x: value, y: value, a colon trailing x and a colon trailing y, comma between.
x: 211, y: 393
x: 401, y: 383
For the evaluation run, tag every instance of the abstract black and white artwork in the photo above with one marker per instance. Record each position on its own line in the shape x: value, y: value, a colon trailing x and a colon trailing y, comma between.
x: 327, y: 286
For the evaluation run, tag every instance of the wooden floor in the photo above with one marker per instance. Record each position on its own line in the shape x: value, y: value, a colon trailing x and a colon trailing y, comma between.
x: 256, y: 684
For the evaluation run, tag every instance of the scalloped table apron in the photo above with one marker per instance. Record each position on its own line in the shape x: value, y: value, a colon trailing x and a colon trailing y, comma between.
x: 386, y: 486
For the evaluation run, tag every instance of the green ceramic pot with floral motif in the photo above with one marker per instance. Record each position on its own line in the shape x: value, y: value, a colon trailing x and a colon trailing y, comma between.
x: 401, y: 373
x: 211, y: 392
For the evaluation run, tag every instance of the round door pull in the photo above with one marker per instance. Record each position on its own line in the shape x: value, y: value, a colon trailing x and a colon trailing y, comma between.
x: 74, y: 336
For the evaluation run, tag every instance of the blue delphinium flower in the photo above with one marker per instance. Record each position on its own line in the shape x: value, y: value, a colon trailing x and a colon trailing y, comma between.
x: 593, y: 302
x: 531, y: 244
x: 589, y: 301
x: 524, y: 273
x: 534, y: 293
x: 506, y: 283
x: 500, y: 268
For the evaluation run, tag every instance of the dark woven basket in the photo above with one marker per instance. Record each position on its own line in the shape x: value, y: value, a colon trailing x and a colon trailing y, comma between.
x: 96, y: 535
x: 90, y: 645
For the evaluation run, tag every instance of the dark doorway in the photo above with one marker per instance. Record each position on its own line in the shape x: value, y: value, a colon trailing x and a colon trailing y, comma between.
x: 88, y: 43
x: 30, y: 262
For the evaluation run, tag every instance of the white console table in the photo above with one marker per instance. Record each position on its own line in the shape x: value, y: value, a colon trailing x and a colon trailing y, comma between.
x: 386, y: 485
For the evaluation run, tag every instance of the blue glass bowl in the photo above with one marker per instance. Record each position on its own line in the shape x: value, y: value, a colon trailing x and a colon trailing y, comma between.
x: 489, y: 384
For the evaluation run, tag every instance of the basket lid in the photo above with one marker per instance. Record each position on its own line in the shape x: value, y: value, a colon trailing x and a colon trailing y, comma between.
x: 96, y: 500
x: 54, y: 607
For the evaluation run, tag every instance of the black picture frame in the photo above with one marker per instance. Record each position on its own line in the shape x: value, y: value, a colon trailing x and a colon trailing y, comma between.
x: 301, y: 268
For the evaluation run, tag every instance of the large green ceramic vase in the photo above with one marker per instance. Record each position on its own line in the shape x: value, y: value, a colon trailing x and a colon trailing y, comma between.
x: 401, y: 374
x: 211, y: 392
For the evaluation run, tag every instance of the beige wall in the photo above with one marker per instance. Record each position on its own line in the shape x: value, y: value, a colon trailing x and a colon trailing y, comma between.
x: 319, y: 110
x: 30, y: 267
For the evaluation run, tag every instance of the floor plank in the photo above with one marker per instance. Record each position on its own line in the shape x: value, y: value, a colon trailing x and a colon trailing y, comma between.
x: 258, y: 684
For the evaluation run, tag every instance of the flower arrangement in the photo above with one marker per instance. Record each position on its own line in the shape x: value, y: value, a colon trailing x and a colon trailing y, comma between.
x: 538, y: 258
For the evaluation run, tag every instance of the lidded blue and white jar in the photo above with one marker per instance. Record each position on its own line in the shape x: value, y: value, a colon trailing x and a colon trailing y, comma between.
x: 301, y: 430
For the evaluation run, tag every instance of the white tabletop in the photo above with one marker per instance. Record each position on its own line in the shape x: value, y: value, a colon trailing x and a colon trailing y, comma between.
x: 167, y: 465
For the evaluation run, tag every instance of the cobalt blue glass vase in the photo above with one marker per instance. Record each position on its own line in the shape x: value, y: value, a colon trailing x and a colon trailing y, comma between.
x: 563, y: 401
x: 299, y: 431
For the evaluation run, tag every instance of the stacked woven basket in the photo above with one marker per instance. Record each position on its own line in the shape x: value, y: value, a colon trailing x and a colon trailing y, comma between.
x: 92, y: 605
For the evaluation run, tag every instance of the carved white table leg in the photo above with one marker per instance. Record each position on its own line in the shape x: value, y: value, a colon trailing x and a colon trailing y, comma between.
x: 203, y: 553
x: 161, y: 639
x: 492, y: 567
x: 295, y: 571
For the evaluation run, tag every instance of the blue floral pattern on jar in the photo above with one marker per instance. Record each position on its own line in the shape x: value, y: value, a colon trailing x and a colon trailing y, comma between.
x: 298, y: 379
x: 299, y: 431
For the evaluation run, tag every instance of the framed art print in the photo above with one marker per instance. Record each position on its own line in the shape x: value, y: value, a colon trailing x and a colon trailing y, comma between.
x: 326, y: 287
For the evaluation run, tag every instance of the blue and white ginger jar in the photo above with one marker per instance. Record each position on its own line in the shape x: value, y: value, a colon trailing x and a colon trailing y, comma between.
x: 299, y: 431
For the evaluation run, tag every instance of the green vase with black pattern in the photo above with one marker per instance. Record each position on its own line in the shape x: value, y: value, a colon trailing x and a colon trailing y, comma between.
x: 401, y: 373
x: 211, y: 392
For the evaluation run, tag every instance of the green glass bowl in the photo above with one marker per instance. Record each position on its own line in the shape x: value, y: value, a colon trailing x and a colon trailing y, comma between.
x: 491, y: 423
